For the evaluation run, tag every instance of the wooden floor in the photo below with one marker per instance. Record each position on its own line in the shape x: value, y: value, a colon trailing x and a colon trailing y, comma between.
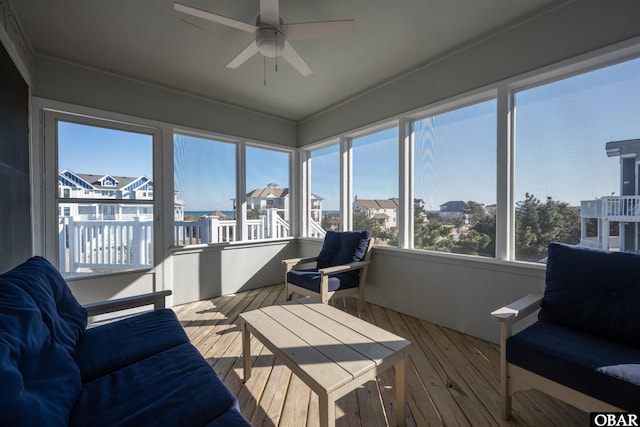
x: 452, y: 378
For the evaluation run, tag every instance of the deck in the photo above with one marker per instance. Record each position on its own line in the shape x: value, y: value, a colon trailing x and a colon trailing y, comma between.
x: 452, y: 378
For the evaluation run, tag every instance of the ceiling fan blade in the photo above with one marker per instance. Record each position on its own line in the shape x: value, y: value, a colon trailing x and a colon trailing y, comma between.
x: 307, y: 30
x: 270, y: 12
x: 243, y: 56
x: 292, y: 56
x: 215, y: 18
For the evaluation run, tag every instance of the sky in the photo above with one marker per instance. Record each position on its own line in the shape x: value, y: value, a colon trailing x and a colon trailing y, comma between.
x: 560, y: 134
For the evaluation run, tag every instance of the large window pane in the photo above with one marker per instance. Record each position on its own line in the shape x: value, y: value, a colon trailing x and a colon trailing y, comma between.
x: 324, y: 200
x: 205, y: 190
x: 375, y: 185
x: 576, y: 173
x: 455, y: 180
x: 104, y: 200
x: 268, y: 197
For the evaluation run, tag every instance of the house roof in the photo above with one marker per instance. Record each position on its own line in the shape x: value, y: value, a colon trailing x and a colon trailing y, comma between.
x: 376, y: 204
x: 120, y: 181
x: 453, y: 206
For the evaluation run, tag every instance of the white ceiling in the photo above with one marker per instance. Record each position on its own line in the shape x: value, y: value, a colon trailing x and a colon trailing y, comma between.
x: 148, y: 40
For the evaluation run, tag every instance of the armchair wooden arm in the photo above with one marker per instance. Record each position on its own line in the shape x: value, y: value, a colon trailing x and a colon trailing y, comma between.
x: 102, y: 307
x: 292, y: 262
x: 342, y: 268
x: 507, y: 316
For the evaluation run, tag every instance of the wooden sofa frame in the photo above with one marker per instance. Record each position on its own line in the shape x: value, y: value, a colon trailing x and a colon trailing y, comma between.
x: 513, y: 378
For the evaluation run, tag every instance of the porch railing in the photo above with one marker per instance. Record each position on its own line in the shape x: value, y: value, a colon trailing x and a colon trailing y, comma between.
x: 612, y: 208
x: 90, y: 245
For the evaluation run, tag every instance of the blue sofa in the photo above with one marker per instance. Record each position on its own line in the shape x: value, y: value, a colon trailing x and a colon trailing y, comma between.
x: 585, y: 346
x: 139, y: 371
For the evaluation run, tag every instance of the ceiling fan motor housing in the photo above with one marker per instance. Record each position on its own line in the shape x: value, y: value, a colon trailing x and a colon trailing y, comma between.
x: 270, y: 41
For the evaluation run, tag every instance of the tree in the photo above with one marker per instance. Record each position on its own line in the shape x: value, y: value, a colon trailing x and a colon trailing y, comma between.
x: 538, y: 224
x: 474, y: 211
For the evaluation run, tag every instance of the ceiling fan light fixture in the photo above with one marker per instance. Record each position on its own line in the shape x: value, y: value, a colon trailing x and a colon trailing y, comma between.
x: 270, y: 42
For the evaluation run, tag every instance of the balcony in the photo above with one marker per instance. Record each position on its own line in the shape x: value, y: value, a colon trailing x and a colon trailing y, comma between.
x: 452, y: 378
x: 612, y: 208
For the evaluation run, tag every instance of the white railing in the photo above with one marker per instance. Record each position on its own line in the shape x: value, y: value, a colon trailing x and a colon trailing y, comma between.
x: 316, y: 230
x: 612, y: 208
x: 211, y: 229
x: 92, y: 245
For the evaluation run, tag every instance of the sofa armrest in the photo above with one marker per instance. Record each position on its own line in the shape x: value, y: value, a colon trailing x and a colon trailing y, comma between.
x: 102, y: 307
x: 345, y: 267
x: 518, y: 309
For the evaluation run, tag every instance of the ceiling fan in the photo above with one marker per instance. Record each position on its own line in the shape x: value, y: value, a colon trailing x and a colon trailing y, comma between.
x: 271, y: 35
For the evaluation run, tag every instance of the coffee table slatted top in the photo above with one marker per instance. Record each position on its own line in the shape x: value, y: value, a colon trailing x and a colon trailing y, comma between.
x: 317, y: 338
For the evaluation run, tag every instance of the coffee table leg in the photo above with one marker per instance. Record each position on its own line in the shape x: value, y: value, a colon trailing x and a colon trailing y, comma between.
x: 327, y: 410
x: 246, y: 351
x: 401, y: 385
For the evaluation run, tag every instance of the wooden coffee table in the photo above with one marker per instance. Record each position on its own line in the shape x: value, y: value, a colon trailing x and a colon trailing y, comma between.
x: 331, y: 351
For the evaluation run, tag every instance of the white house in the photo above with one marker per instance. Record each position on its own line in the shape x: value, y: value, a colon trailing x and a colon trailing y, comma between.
x: 72, y: 185
x: 274, y: 197
x: 384, y: 211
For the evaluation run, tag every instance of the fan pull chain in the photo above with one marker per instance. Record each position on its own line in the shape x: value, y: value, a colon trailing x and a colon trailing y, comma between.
x: 264, y: 69
x: 276, y: 34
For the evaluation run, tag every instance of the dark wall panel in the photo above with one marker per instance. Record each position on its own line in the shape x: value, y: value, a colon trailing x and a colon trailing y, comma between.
x: 15, y: 199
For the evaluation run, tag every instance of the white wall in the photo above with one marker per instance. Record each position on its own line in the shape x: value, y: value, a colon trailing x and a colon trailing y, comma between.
x: 207, y: 272
x: 63, y: 81
x: 562, y: 33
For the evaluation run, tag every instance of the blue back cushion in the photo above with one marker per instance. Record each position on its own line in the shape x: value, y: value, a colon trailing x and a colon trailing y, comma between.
x: 343, y: 247
x: 594, y: 291
x: 65, y: 318
x: 39, y: 381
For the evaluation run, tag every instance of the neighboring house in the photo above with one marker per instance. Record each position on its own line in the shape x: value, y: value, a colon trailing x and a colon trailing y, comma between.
x: 452, y: 211
x: 623, y: 209
x: 274, y: 197
x: 384, y: 211
x: 72, y: 185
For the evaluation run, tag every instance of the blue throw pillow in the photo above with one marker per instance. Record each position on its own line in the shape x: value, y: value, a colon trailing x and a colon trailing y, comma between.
x: 594, y: 291
x: 65, y: 318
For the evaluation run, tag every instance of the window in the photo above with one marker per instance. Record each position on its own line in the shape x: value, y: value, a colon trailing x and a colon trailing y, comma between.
x: 268, y: 197
x: 324, y: 198
x: 375, y: 185
x: 103, y: 231
x: 455, y: 180
x: 204, y: 190
x: 577, y: 151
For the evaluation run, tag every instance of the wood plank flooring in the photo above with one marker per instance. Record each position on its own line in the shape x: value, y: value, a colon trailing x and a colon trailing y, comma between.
x: 452, y: 378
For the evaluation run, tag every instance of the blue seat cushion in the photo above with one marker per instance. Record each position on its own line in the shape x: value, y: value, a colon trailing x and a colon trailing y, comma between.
x: 310, y: 279
x: 39, y: 381
x: 65, y: 318
x: 114, y: 345
x: 605, y: 369
x: 593, y: 291
x: 176, y: 387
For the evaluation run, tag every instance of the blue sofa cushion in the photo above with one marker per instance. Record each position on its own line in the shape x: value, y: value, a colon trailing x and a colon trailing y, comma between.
x: 115, y: 345
x: 605, y: 369
x: 39, y: 381
x: 343, y: 247
x: 176, y: 387
x: 65, y: 318
x: 593, y: 291
x: 310, y: 279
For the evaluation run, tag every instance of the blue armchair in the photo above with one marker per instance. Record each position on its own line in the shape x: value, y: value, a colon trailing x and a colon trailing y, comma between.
x: 341, y: 268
